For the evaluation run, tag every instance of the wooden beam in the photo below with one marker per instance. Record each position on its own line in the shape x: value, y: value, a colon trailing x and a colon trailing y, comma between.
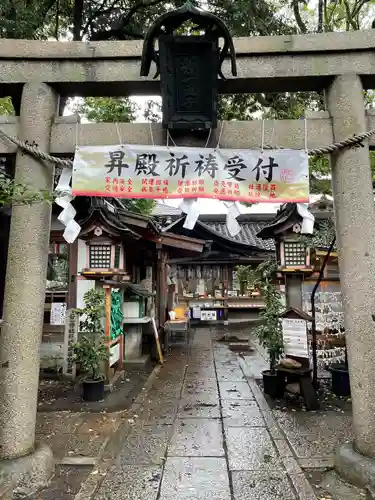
x: 182, y: 242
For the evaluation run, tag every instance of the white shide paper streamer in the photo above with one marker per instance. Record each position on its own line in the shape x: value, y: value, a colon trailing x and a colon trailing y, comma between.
x: 307, y: 218
x: 66, y: 217
x: 191, y: 208
x: 233, y: 212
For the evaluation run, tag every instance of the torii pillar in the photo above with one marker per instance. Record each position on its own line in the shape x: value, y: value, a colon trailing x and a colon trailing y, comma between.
x: 29, y: 466
x: 355, y: 215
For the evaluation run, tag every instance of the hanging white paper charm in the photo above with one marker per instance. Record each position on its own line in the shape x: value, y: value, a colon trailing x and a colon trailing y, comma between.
x: 66, y: 217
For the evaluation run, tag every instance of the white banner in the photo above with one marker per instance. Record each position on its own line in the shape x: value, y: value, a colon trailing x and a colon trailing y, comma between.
x: 132, y: 171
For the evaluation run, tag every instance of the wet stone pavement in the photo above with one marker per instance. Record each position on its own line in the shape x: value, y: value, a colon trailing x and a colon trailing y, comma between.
x: 205, y: 432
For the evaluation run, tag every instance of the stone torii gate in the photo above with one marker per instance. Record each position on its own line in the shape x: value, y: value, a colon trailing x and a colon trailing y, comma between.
x: 36, y: 73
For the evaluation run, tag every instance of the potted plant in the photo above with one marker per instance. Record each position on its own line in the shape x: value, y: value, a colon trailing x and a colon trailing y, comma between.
x: 246, y: 277
x: 90, y: 350
x: 269, y: 332
x: 93, y: 314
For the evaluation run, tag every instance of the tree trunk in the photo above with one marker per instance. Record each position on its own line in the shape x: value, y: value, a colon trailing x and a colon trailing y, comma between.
x: 77, y: 20
x: 320, y: 16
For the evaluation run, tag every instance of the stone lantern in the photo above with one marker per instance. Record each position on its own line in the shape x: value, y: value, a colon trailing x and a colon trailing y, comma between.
x: 293, y: 256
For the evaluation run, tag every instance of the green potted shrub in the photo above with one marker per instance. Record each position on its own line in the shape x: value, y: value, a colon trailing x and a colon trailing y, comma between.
x: 247, y: 278
x: 90, y: 351
x: 269, y: 332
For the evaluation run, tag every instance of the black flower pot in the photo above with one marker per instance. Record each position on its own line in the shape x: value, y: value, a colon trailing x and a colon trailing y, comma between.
x: 340, y: 379
x: 273, y: 385
x: 93, y: 390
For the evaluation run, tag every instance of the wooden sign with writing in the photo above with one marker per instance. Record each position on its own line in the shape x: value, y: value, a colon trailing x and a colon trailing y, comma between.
x: 295, y: 337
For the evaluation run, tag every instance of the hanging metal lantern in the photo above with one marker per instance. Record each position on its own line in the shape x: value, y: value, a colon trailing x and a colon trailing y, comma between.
x: 188, y: 65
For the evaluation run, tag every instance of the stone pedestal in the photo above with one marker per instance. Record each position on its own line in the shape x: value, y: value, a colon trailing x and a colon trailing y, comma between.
x: 25, y: 283
x: 355, y: 215
x: 25, y: 475
x: 133, y: 343
x: 293, y: 290
x: 133, y: 358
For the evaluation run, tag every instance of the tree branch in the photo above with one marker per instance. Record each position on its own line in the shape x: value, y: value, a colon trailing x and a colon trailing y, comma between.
x: 120, y: 30
x: 320, y: 16
x: 101, y: 11
x: 302, y: 26
x: 118, y: 34
x: 262, y: 100
x: 357, y: 11
x: 139, y: 5
x: 349, y: 17
x: 77, y: 19
x: 57, y: 19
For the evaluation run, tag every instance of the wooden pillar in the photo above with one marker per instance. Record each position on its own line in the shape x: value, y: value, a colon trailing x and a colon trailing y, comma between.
x: 73, y: 269
x: 160, y: 284
x: 107, y: 327
x: 122, y: 352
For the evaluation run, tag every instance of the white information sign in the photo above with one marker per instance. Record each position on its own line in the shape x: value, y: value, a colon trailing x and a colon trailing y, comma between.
x: 197, y: 313
x: 208, y: 315
x: 58, y: 313
x: 295, y: 337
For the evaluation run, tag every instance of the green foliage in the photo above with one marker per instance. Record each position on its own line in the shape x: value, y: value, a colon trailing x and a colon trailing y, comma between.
x: 90, y: 352
x: 6, y: 106
x: 323, y: 235
x: 13, y: 193
x: 58, y: 272
x: 320, y: 172
x: 92, y: 315
x: 26, y: 18
x: 247, y: 276
x: 117, y: 110
x: 108, y: 109
x: 144, y: 207
x: 269, y: 332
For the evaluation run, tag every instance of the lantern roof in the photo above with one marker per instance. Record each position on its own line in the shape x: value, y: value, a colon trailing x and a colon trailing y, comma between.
x: 285, y: 219
x: 212, y: 26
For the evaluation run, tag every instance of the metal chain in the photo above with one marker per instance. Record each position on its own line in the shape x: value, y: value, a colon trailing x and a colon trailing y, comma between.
x: 35, y: 151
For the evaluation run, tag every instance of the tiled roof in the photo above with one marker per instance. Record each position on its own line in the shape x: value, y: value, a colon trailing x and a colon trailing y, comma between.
x: 247, y: 235
x: 286, y: 211
x: 161, y: 209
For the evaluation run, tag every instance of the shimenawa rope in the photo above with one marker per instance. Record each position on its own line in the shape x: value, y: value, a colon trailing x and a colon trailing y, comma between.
x: 37, y: 153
